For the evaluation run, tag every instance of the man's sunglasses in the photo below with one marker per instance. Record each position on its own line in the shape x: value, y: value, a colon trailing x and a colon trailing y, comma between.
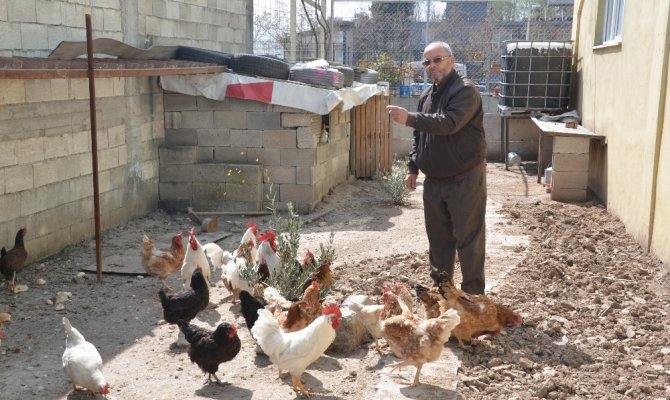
x: 435, y: 60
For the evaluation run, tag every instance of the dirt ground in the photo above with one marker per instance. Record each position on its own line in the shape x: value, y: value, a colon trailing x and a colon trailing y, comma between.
x: 595, y: 306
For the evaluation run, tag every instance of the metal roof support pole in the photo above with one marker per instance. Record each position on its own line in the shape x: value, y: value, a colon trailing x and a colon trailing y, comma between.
x: 94, y: 146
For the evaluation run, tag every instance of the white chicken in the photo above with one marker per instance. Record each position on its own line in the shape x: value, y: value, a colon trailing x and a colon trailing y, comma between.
x: 195, y: 255
x: 232, y: 279
x: 295, y: 351
x: 369, y: 316
x: 215, y: 255
x: 82, y: 362
x: 267, y: 258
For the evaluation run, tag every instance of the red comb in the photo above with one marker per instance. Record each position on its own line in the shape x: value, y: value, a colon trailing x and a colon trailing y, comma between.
x: 332, y: 309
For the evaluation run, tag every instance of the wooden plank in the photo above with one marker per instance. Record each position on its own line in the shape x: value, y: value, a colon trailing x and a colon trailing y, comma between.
x: 106, y: 73
x: 357, y: 130
x: 378, y: 134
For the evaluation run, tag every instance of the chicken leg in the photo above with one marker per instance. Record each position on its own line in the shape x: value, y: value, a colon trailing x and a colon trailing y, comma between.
x: 400, y: 364
x: 218, y: 381
x: 298, y: 387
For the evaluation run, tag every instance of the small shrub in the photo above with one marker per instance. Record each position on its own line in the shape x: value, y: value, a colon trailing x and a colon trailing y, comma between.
x: 393, y: 182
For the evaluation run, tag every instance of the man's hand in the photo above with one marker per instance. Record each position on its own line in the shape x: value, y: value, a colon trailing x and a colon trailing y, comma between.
x: 398, y: 114
x: 410, y: 181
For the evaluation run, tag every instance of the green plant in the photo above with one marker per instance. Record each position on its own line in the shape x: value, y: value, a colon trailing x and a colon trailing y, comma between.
x: 393, y: 182
x: 389, y: 70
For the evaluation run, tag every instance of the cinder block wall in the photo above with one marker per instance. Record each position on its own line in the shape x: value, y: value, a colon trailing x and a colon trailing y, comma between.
x: 33, y: 28
x: 46, y: 179
x: 223, y: 155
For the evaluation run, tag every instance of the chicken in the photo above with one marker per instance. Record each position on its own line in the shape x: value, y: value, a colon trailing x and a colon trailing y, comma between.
x: 431, y: 299
x: 82, y: 362
x: 323, y: 275
x: 417, y: 342
x: 479, y: 315
x: 311, y: 296
x: 295, y: 318
x: 248, y: 244
x: 232, y: 279
x: 295, y: 351
x: 250, y: 306
x: 216, y: 256
x: 186, y: 304
x: 267, y: 258
x: 275, y: 299
x: 209, y: 349
x: 369, y: 316
x: 391, y: 306
x: 4, y: 317
x: 163, y: 262
x: 195, y: 255
x: 14, y: 260
x: 404, y: 296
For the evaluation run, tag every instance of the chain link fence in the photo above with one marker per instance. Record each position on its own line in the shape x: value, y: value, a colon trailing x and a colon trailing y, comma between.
x: 389, y: 36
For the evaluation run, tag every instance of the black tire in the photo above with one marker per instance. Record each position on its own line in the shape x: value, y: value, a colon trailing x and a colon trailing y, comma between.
x: 249, y: 64
x: 348, y: 74
x: 203, y: 55
x: 365, y: 75
x: 325, y: 78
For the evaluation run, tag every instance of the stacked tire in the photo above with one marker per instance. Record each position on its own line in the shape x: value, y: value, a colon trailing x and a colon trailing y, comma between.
x: 366, y: 75
x: 325, y: 78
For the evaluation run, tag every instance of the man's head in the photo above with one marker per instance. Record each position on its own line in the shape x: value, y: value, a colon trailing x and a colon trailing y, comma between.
x: 438, y: 60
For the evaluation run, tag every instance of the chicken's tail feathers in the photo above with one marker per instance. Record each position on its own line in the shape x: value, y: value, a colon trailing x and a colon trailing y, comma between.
x: 67, y: 324
x: 267, y: 331
x: 72, y: 332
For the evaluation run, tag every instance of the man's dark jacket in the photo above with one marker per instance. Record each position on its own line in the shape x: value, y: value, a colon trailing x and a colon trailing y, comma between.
x: 449, y: 139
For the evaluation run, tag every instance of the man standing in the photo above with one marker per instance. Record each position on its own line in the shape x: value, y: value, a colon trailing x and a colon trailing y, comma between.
x: 450, y: 149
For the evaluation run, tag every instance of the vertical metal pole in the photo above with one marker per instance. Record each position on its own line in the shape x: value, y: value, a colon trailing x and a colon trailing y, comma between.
x: 94, y: 146
x: 426, y: 36
x: 332, y: 30
x: 292, y: 32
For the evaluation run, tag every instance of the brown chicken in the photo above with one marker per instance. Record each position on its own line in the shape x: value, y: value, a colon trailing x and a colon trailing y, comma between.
x: 295, y: 318
x: 14, y: 260
x: 415, y: 341
x: 431, y: 299
x: 479, y: 314
x: 324, y: 275
x: 392, y: 306
x: 311, y: 296
x: 404, y: 296
x: 162, y: 263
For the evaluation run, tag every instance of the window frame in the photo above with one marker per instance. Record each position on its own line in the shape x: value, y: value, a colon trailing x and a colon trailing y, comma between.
x: 612, y: 22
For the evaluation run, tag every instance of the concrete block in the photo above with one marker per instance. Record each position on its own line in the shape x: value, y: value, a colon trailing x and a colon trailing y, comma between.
x: 298, y: 194
x: 85, y: 163
x: 236, y: 155
x: 8, y: 154
x: 205, y: 104
x: 298, y: 157
x: 177, y: 155
x: 34, y: 36
x: 347, y: 116
x: 279, y: 139
x: 210, y: 172
x: 30, y: 150
x: 10, y: 204
x: 123, y: 154
x: 38, y: 90
x: 12, y: 91
x: 264, y: 157
x: 575, y: 145
x: 204, y: 154
x: 57, y: 146
x: 48, y: 12
x: 173, y: 120
x: 284, y: 109
x: 213, y: 137
x: 243, y: 174
x: 116, y: 135
x: 60, y: 89
x: 108, y: 159
x: 21, y: 11
x: 104, y: 87
x: 263, y: 120
x: 570, y: 162
x: 175, y: 190
x: 294, y: 120
x: 567, y: 195
x: 176, y: 173
x: 112, y: 20
x: 305, y: 175
x: 180, y: 137
x: 322, y: 154
x: 245, y: 138
x: 208, y: 196
x: 281, y: 175
x: 246, y: 105
x: 10, y: 32
x: 230, y: 119
x: 81, y: 187
x: 243, y: 192
x: 570, y: 179
x: 306, y: 138
x: 179, y: 102
x: 82, y: 230
x: 197, y: 119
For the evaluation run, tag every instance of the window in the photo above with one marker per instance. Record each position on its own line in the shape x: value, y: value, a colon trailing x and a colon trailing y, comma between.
x: 612, y: 21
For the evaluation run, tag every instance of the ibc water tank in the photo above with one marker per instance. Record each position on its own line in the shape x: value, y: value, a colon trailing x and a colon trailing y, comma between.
x: 536, y: 75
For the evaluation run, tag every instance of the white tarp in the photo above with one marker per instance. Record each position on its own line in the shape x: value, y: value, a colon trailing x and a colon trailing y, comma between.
x: 283, y: 93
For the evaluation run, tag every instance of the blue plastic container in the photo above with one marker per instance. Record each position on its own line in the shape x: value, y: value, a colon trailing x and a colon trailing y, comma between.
x: 404, y: 91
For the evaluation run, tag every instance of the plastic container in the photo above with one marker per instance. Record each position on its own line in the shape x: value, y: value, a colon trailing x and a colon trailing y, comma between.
x: 404, y: 91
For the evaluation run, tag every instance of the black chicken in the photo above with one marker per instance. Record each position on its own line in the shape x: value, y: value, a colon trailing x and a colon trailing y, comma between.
x: 209, y: 349
x: 13, y: 261
x: 185, y: 304
x: 250, y: 306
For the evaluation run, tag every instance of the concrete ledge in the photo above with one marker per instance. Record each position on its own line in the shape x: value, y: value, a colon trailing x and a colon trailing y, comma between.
x: 575, y: 145
x: 576, y: 195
